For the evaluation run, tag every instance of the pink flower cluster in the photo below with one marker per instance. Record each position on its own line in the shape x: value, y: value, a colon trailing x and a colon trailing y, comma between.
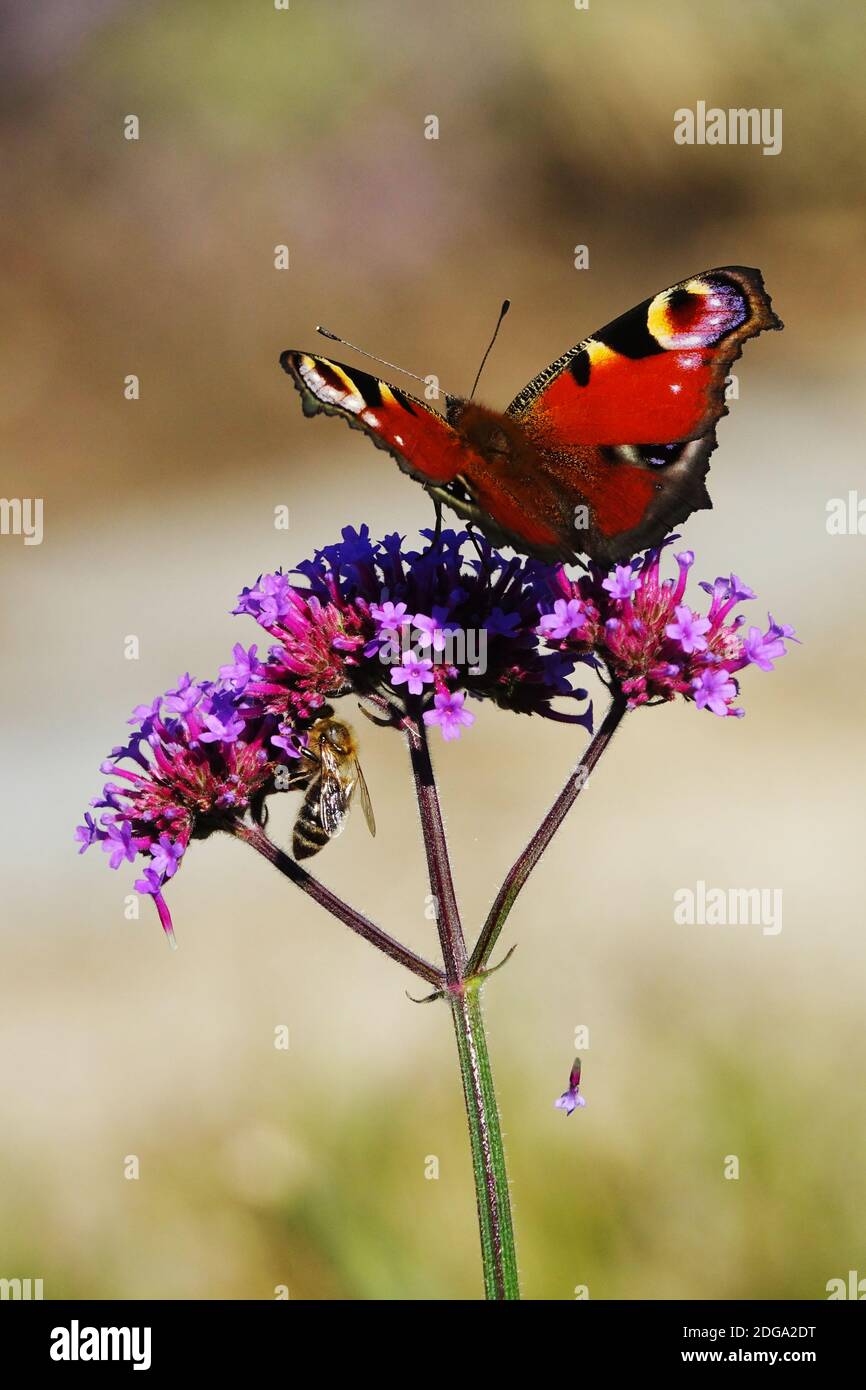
x: 196, y: 760
x: 318, y: 640
x: 654, y: 644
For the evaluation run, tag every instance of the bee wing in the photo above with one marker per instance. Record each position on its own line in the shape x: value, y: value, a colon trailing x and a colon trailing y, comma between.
x: 366, y: 803
x: 335, y: 793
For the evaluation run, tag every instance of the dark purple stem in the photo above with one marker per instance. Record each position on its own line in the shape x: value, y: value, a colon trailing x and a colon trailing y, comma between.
x: 438, y: 863
x: 255, y: 836
x: 526, y: 862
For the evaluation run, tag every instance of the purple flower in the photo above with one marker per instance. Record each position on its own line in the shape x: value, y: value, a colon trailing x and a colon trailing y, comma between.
x: 119, y: 844
x: 275, y: 600
x: 88, y: 833
x: 762, y: 650
x: 431, y: 631
x: 449, y: 714
x: 621, y: 583
x: 184, y: 698
x: 150, y: 882
x: 688, y: 630
x: 414, y: 672
x: 142, y: 713
x: 740, y: 591
x: 781, y: 629
x: 501, y: 624
x: 567, y: 618
x: 222, y: 726
x: 558, y: 671
x: 391, y: 617
x: 167, y: 855
x: 570, y: 1101
x: 714, y: 690
x: 240, y: 672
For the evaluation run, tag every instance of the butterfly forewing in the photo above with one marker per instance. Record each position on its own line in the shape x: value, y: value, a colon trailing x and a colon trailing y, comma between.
x: 656, y: 375
x: 422, y: 442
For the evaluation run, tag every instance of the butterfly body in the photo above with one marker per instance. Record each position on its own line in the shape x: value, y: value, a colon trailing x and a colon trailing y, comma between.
x: 504, y: 484
x: 602, y: 453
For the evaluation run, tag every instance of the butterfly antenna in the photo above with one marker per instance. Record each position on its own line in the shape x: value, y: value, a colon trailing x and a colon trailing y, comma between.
x: 506, y: 305
x: 326, y: 333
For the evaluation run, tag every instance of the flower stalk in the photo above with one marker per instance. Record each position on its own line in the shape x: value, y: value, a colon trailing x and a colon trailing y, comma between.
x: 436, y: 848
x: 492, y: 1196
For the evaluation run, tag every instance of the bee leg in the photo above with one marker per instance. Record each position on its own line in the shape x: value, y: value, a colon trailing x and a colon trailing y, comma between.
x: 386, y: 723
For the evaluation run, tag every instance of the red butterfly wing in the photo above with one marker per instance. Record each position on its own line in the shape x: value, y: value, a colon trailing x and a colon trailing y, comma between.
x: 626, y: 421
x: 421, y: 441
x: 430, y: 450
x: 656, y: 375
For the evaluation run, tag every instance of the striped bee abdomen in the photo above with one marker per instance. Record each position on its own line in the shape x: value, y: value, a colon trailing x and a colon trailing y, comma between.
x: 309, y: 835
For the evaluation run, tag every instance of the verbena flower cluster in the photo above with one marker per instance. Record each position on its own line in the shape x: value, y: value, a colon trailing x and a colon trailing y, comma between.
x: 420, y: 631
x: 197, y: 758
x: 652, y: 642
x: 436, y: 625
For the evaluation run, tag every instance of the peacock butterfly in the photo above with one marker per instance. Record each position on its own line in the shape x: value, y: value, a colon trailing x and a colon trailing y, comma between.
x: 602, y: 453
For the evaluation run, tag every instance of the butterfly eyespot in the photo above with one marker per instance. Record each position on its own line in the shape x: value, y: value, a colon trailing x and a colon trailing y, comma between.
x: 696, y: 314
x: 657, y: 455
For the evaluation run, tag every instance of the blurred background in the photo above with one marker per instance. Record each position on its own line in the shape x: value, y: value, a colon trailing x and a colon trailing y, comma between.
x: 306, y: 1167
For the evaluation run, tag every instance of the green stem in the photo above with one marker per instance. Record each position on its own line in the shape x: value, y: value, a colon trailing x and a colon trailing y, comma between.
x: 488, y: 1157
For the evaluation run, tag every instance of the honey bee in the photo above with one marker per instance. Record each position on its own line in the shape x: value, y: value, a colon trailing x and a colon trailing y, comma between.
x: 330, y: 779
